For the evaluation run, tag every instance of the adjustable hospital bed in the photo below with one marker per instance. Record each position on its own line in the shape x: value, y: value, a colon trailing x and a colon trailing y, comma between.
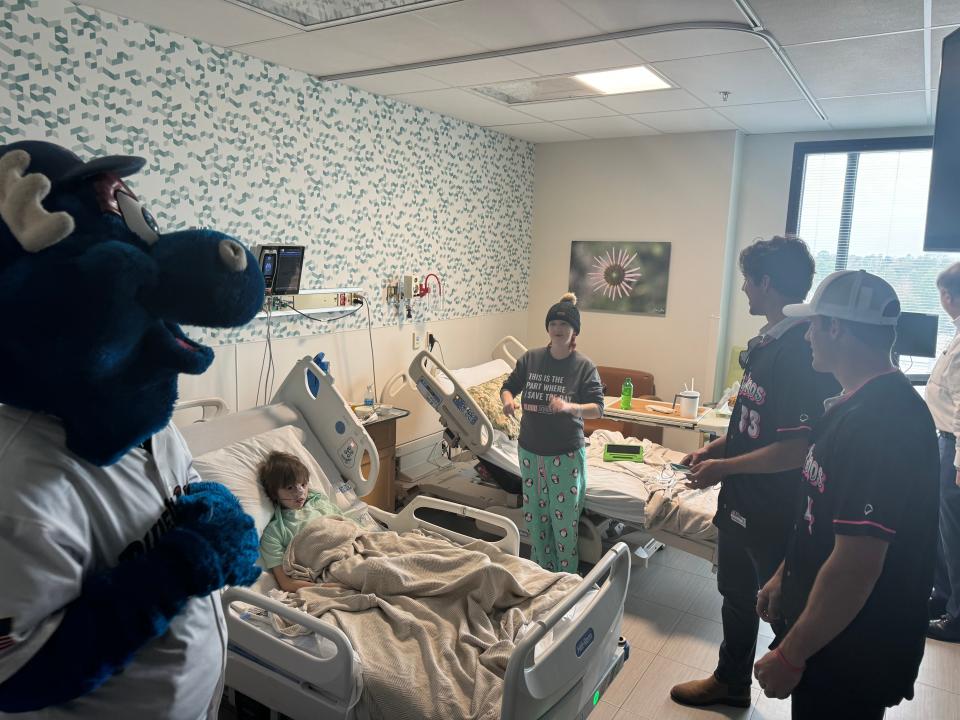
x: 558, y: 669
x: 627, y: 500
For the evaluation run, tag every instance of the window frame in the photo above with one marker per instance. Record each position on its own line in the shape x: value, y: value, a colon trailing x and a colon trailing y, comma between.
x: 818, y: 147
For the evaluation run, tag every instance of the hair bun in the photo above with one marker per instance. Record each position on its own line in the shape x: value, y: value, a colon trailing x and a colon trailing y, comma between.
x: 569, y: 297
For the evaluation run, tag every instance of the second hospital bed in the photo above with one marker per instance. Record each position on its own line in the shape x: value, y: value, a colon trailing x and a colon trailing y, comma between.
x: 621, y: 497
x: 559, y: 667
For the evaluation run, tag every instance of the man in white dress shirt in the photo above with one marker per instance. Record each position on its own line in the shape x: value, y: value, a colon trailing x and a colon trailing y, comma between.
x: 943, y: 399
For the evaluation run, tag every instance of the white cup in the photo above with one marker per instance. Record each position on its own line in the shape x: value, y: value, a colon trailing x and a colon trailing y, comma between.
x: 689, y: 403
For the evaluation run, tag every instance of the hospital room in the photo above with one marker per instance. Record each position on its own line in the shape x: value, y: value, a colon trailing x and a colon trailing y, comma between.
x: 411, y: 359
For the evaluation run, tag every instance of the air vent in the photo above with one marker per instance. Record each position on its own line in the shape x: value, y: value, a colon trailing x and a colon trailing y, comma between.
x: 317, y: 14
x: 567, y: 87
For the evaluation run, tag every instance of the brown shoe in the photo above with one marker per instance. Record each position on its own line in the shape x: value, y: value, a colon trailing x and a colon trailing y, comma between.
x: 709, y: 692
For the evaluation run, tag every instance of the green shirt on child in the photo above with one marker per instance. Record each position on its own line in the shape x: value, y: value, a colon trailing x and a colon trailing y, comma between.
x: 287, y: 523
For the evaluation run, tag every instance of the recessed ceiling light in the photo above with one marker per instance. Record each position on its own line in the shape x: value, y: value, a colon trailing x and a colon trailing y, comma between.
x: 625, y: 80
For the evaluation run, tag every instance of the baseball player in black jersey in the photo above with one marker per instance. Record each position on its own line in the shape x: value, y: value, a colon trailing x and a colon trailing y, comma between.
x: 852, y: 591
x: 758, y: 460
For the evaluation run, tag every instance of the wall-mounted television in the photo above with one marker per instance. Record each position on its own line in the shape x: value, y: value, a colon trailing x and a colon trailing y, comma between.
x: 943, y: 205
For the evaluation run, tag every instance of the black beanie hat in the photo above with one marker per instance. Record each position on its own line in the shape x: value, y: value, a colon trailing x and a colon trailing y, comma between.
x: 565, y: 310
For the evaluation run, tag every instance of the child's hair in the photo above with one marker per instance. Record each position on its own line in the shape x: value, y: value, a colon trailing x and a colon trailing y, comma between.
x: 280, y: 469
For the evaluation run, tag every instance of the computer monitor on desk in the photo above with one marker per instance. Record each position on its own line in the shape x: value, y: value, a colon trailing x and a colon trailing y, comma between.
x: 916, y: 337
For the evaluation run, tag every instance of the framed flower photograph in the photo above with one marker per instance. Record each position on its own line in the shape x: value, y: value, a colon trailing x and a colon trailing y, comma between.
x: 620, y: 277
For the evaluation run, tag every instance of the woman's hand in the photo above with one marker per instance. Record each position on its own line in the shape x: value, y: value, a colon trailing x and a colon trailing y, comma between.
x: 509, y: 407
x: 559, y: 405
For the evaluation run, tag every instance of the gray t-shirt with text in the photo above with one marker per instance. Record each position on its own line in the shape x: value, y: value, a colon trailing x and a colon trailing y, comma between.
x: 539, y: 376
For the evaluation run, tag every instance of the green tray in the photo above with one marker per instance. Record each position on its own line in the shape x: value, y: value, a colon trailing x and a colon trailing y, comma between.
x: 623, y: 453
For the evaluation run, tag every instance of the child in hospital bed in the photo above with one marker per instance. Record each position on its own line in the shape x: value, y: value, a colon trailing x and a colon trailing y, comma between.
x: 285, y: 480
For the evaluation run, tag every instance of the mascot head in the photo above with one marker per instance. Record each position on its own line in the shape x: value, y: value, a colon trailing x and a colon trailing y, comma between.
x: 94, y: 295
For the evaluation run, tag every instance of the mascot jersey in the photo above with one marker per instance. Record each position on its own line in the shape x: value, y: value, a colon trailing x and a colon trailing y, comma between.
x: 112, y: 549
x: 70, y: 517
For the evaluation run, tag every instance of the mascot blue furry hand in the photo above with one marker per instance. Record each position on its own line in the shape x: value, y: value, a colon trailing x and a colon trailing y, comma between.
x: 111, y: 547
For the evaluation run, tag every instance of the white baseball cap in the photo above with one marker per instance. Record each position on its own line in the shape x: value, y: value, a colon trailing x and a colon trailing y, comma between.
x: 853, y: 295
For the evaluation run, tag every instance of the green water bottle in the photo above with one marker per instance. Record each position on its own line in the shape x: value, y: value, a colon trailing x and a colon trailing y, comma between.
x: 626, y: 394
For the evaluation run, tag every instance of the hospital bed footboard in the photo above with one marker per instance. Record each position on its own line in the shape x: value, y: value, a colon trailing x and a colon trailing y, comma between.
x: 569, y: 677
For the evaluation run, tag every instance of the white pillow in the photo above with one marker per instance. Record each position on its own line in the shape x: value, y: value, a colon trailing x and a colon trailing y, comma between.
x: 236, y: 467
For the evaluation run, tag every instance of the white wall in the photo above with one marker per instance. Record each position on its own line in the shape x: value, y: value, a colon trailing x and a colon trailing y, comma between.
x: 673, y: 188
x: 767, y: 161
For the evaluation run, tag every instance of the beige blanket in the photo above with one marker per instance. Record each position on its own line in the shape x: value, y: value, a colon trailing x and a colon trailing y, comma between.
x: 434, y: 623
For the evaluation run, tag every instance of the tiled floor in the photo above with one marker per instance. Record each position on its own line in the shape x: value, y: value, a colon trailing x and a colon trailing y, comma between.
x: 672, y: 620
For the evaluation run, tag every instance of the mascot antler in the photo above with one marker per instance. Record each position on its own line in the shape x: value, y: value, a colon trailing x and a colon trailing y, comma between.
x: 20, y: 208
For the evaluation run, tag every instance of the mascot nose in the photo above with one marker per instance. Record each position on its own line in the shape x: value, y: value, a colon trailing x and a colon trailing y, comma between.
x: 233, y: 255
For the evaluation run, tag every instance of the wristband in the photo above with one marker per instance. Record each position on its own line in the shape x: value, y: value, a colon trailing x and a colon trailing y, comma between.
x: 790, y: 666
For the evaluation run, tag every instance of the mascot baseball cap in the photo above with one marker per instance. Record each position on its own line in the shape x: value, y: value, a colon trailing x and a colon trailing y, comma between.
x: 853, y: 295
x: 63, y: 167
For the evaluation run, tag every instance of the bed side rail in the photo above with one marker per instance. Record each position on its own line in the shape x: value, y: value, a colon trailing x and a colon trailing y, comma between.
x: 407, y: 520
x: 210, y: 407
x: 509, y: 349
x: 334, y: 675
x: 576, y: 656
x: 393, y: 386
x: 330, y: 418
x: 463, y: 418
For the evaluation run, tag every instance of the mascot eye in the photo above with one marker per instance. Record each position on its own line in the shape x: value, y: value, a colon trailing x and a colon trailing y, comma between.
x: 138, y: 219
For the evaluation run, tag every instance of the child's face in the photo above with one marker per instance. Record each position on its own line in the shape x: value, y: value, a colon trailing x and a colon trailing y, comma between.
x: 292, y: 496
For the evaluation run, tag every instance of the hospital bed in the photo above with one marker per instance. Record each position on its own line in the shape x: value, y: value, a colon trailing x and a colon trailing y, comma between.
x: 630, y: 501
x: 558, y: 669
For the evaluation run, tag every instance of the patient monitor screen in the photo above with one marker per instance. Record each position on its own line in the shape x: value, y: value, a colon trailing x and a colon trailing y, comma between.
x: 286, y: 280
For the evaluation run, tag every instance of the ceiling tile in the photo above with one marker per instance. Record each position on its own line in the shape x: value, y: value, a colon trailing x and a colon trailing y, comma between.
x: 792, y: 116
x: 213, y: 21
x: 936, y: 52
x: 869, y: 111
x: 611, y: 15
x: 566, y: 110
x: 681, y: 121
x: 478, y: 72
x: 403, y: 38
x: 405, y: 81
x: 539, y: 132
x: 608, y: 127
x: 691, y: 43
x: 653, y: 101
x: 754, y: 76
x: 861, y: 66
x: 465, y: 105
x: 811, y: 20
x: 316, y: 53
x: 578, y: 58
x: 499, y: 24
x: 946, y: 12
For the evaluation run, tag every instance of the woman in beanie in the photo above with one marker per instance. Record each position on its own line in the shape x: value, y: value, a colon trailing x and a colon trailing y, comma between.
x: 560, y: 387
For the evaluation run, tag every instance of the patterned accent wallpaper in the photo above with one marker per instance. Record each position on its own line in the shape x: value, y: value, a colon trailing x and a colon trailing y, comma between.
x: 373, y: 187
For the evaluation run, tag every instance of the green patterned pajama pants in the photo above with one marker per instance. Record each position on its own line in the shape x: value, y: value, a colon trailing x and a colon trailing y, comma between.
x: 553, y: 495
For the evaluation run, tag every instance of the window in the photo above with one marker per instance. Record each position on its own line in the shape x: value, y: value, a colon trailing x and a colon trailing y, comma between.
x: 862, y: 204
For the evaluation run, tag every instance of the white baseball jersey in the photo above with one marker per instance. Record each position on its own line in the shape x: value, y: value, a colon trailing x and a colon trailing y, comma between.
x: 62, y: 519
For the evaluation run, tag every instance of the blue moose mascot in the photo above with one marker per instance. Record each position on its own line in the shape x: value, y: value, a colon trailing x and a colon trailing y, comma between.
x: 111, y: 547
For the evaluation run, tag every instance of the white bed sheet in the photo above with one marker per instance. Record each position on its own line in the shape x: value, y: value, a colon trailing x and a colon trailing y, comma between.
x: 632, y: 492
